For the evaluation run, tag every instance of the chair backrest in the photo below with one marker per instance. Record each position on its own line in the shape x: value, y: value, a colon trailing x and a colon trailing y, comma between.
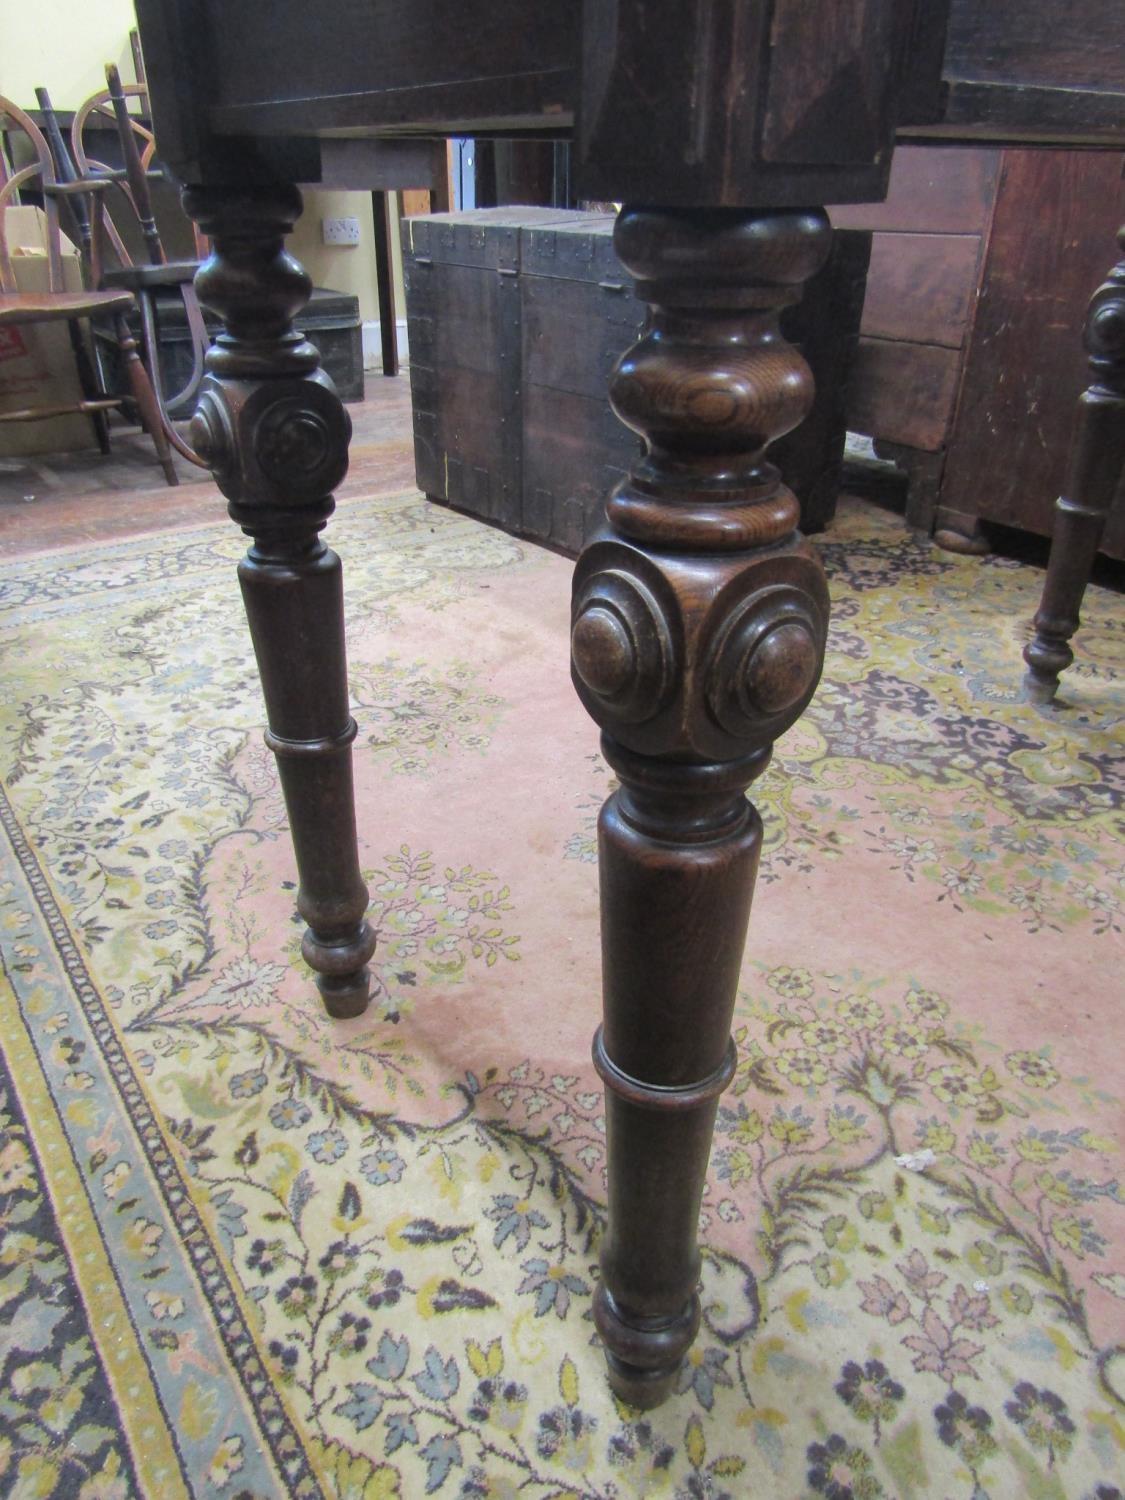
x: 100, y: 109
x: 15, y: 123
x: 136, y: 162
x: 137, y: 152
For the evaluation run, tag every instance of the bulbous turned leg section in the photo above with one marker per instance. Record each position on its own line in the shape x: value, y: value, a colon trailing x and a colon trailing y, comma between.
x: 698, y: 629
x: 273, y: 431
x: 1097, y: 459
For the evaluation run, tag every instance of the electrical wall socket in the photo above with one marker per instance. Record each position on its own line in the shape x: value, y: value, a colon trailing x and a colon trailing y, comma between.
x: 340, y: 231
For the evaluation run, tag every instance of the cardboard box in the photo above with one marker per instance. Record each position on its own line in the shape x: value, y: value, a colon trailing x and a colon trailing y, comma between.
x: 36, y: 360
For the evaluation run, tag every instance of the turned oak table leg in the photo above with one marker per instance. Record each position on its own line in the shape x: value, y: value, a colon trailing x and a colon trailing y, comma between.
x: 698, y: 631
x: 275, y: 435
x: 1097, y: 460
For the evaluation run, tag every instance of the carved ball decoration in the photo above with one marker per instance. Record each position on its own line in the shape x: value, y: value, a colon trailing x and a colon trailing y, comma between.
x: 275, y: 446
x: 621, y: 648
x: 297, y: 437
x: 780, y: 668
x: 765, y: 663
x: 604, y: 652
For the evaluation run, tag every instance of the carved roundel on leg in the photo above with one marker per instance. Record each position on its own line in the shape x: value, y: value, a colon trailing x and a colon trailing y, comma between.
x: 272, y: 445
x: 300, y: 440
x: 212, y: 433
x: 293, y: 441
x: 621, y: 647
x: 765, y: 662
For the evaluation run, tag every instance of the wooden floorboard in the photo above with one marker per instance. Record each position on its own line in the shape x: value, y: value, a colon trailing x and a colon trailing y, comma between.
x: 67, y: 499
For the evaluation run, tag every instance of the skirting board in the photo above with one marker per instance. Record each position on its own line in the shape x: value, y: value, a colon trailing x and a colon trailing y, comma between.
x: 373, y: 346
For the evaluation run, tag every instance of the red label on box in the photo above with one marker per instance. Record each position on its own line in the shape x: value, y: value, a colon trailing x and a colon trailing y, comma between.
x: 12, y: 345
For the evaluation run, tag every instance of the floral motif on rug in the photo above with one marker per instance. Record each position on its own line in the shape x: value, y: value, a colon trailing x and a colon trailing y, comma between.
x: 249, y: 1252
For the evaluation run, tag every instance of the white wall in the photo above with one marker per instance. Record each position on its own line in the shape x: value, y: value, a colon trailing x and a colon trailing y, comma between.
x: 63, y: 45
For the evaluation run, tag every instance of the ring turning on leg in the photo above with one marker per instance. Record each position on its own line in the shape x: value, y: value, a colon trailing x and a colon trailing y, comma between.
x: 272, y: 429
x: 698, y: 629
x: 1097, y: 458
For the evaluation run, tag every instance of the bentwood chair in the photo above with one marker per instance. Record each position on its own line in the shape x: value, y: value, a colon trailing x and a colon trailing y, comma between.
x: 57, y: 304
x: 149, y: 274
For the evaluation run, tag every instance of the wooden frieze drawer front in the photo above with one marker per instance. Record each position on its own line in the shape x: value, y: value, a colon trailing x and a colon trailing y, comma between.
x: 516, y: 317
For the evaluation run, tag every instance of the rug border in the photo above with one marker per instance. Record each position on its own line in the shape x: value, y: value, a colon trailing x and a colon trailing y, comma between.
x: 231, y: 1315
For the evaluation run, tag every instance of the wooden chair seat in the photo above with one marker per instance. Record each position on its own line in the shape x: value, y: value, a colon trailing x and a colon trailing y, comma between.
x: 171, y: 273
x: 46, y: 307
x: 83, y: 210
x: 137, y: 146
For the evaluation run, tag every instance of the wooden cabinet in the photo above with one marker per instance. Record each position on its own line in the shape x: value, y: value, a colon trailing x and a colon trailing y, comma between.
x: 971, y: 360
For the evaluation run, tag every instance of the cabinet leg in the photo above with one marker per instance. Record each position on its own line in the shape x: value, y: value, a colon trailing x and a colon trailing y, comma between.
x: 275, y: 434
x: 958, y: 531
x: 1097, y: 459
x: 698, y: 629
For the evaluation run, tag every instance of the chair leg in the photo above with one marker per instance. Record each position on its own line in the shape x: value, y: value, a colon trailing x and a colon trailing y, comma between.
x: 1097, y: 458
x: 88, y: 381
x: 145, y: 397
x: 150, y: 344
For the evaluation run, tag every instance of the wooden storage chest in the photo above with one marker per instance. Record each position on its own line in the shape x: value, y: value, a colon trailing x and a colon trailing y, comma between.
x: 516, y: 316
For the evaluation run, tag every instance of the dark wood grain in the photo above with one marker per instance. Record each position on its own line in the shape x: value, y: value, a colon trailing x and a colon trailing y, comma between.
x: 1074, y: 44
x: 830, y: 92
x: 904, y: 392
x: 1001, y: 112
x: 379, y: 63
x: 702, y: 103
x: 825, y: 327
x: 932, y: 190
x: 698, y: 626
x: 384, y: 282
x: 699, y: 613
x: 1051, y: 70
x: 274, y: 433
x: 920, y: 287
x: 1055, y: 213
x: 540, y: 344
x: 574, y: 452
x: 923, y: 89
x: 713, y: 103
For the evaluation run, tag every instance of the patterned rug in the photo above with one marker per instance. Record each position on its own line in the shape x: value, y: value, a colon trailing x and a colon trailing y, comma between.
x: 247, y: 1252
